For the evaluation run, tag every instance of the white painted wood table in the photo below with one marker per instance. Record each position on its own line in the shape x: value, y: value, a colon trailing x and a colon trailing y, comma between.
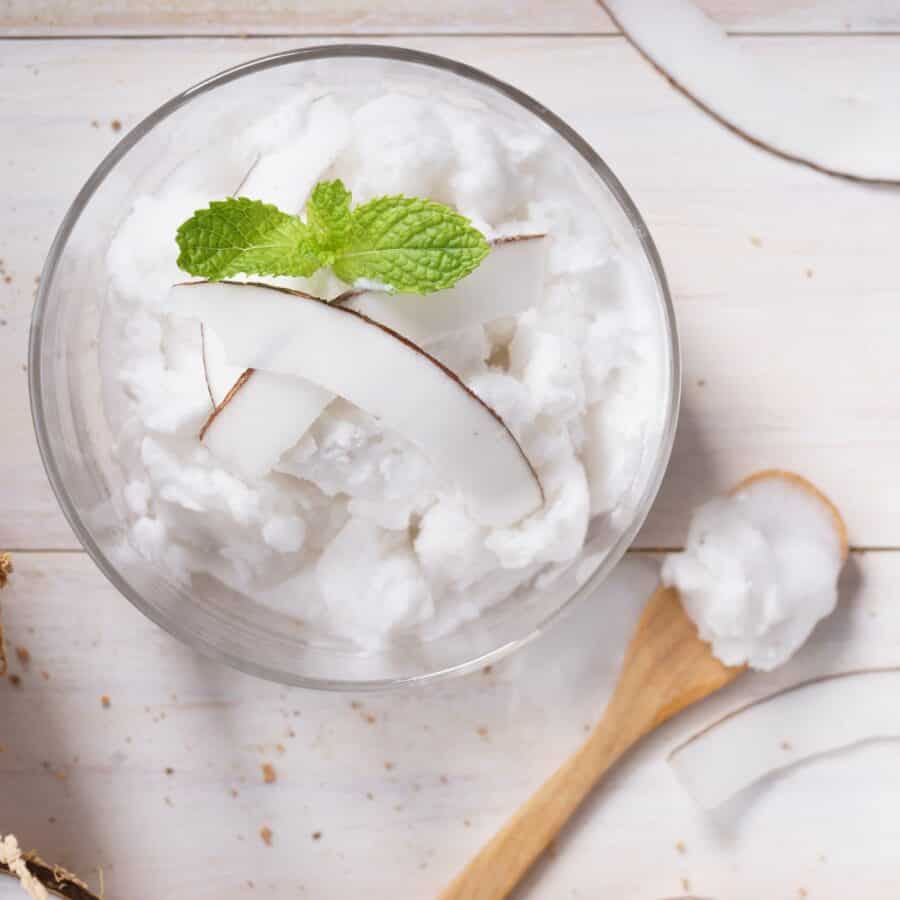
x: 788, y: 298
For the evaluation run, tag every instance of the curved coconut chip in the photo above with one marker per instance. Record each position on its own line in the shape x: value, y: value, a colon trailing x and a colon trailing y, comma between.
x: 840, y: 136
x: 508, y: 282
x: 803, y: 722
x: 345, y: 353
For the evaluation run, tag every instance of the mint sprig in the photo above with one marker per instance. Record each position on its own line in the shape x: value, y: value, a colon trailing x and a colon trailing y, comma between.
x: 328, y: 216
x: 412, y: 245
x: 406, y: 244
x: 241, y: 235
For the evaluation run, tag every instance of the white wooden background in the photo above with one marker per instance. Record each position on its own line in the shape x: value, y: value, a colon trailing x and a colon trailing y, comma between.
x: 787, y: 288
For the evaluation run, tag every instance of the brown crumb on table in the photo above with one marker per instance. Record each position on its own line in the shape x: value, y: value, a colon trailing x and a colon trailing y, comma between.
x: 755, y: 240
x: 355, y: 704
x: 445, y: 779
x: 5, y: 566
x: 370, y: 718
x: 801, y: 892
x: 787, y: 745
x: 370, y: 795
x: 169, y: 770
x: 15, y: 681
x: 681, y: 847
x: 23, y: 655
x: 168, y: 801
x: 52, y: 820
x: 265, y: 834
x: 95, y: 123
x: 481, y: 731
x: 116, y: 125
x: 808, y: 273
x: 467, y: 823
x: 269, y: 775
x: 317, y: 835
x: 685, y: 884
x: 105, y: 702
x: 487, y: 670
x: 701, y: 382
x: 7, y: 279
x: 279, y: 748
x: 388, y: 765
x: 45, y: 675
x: 234, y: 792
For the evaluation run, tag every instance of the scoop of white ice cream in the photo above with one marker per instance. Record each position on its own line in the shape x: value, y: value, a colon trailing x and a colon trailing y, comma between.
x: 760, y: 570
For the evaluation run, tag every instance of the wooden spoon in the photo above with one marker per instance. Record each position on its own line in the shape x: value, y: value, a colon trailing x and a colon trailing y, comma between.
x: 667, y: 668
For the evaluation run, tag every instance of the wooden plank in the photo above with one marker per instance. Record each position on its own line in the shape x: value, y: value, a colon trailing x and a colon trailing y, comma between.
x: 785, y: 280
x: 390, y: 794
x: 360, y: 17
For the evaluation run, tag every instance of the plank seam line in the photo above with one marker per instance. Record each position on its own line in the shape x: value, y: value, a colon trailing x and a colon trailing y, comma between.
x: 364, y: 35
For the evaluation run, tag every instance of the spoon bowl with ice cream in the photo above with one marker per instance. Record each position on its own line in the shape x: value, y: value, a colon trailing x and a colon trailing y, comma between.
x: 759, y: 570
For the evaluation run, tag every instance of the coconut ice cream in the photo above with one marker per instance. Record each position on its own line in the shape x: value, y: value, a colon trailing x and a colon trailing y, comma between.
x: 382, y: 463
x: 760, y: 568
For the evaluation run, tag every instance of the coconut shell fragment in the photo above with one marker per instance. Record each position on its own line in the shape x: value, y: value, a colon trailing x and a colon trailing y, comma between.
x: 5, y: 571
x: 38, y: 878
x: 846, y: 136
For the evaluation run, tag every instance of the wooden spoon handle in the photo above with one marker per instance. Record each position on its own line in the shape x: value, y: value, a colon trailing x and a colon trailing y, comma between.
x: 667, y: 667
x: 501, y: 863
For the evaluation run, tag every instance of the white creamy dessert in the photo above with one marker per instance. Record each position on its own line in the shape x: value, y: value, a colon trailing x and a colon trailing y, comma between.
x: 341, y: 520
x: 760, y: 569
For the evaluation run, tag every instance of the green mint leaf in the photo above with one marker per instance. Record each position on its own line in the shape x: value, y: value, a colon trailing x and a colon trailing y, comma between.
x: 328, y: 216
x: 410, y: 245
x: 239, y: 235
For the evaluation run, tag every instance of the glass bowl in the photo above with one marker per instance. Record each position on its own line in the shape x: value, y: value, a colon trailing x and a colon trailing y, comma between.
x: 77, y: 445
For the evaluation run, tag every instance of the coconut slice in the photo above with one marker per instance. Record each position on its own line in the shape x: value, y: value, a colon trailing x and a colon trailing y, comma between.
x: 800, y: 723
x: 378, y: 370
x: 841, y: 136
x: 243, y: 408
x: 252, y: 429
x: 509, y: 281
x: 220, y: 377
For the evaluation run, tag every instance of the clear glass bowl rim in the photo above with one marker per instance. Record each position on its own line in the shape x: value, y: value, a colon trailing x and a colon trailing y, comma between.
x: 170, y: 624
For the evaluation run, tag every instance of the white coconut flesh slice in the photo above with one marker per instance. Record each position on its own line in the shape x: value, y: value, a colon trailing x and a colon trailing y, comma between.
x: 241, y: 429
x: 381, y: 372
x: 780, y: 731
x: 839, y: 135
x: 220, y: 376
x: 252, y: 429
x: 509, y: 281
